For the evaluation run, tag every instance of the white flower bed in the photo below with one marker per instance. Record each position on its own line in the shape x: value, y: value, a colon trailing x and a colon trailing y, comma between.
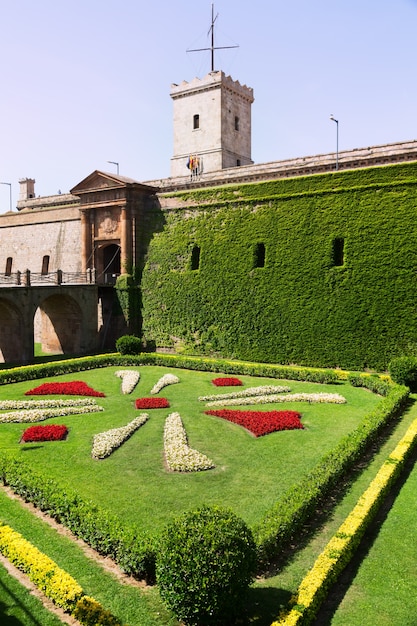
x: 264, y: 390
x: 106, y: 442
x: 168, y: 379
x: 130, y: 379
x: 333, y: 398
x: 8, y: 405
x: 38, y: 415
x: 178, y: 454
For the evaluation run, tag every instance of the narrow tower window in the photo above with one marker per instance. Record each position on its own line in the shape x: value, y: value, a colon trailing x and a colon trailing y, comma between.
x: 195, y: 258
x: 338, y: 251
x: 259, y: 259
x: 9, y: 262
x: 236, y: 122
x: 196, y: 121
x: 45, y: 264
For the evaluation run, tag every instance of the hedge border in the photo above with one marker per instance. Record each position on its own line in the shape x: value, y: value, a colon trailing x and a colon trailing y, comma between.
x: 54, y: 582
x: 341, y: 547
x: 135, y: 551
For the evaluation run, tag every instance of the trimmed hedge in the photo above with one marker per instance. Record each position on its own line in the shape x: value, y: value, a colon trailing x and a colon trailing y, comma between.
x: 206, y: 562
x: 130, y: 547
x: 134, y: 551
x: 340, y: 549
x: 403, y: 371
x: 288, y: 515
x: 300, y: 306
x: 54, y: 582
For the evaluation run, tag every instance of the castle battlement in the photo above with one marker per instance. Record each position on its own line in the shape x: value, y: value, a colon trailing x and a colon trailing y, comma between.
x: 213, y: 80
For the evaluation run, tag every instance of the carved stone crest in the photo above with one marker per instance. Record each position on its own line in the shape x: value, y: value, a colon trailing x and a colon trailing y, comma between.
x: 108, y: 225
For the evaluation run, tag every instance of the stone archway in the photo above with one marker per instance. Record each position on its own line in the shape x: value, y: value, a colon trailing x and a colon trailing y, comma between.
x: 58, y: 325
x: 12, y: 346
x: 108, y: 265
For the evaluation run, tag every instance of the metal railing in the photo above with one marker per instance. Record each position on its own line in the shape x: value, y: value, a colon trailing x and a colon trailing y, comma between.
x: 28, y: 278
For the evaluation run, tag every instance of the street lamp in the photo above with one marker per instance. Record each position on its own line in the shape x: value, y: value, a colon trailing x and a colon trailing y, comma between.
x: 116, y: 164
x: 10, y: 185
x: 337, y: 139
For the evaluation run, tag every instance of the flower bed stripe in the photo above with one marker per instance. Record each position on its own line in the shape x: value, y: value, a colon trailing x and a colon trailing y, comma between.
x: 73, y: 388
x: 333, y: 398
x: 44, y: 404
x: 54, y: 582
x: 167, y: 379
x: 108, y: 441
x: 341, y: 547
x: 261, y: 422
x: 151, y: 403
x: 227, y: 382
x: 130, y: 379
x: 38, y: 415
x: 52, y: 432
x: 264, y: 390
x: 178, y: 454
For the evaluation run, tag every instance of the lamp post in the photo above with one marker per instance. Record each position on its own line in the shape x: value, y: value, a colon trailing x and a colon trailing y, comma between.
x: 337, y: 139
x: 116, y: 164
x: 10, y: 186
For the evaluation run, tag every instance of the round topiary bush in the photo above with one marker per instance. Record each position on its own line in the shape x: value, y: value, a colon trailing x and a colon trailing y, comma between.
x: 129, y: 344
x: 403, y: 370
x: 205, y: 564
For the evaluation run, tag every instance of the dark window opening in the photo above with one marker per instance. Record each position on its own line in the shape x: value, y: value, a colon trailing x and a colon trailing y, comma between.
x: 45, y: 264
x: 259, y: 255
x: 238, y: 162
x: 339, y: 251
x: 236, y: 122
x: 196, y: 121
x: 195, y: 258
x: 9, y: 262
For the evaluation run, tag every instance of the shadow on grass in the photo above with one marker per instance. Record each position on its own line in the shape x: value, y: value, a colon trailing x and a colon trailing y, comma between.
x: 264, y: 604
x: 10, y: 620
x: 332, y: 497
x: 340, y: 588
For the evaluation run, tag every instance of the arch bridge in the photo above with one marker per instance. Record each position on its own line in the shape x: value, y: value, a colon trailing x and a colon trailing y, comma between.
x: 62, y: 318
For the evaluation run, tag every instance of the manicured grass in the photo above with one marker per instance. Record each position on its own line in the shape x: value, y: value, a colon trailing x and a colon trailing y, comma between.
x: 384, y: 588
x: 19, y: 608
x: 281, y: 585
x: 250, y: 473
x: 132, y: 605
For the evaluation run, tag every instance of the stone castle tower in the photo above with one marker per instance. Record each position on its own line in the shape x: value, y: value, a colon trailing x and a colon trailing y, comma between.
x: 212, y: 122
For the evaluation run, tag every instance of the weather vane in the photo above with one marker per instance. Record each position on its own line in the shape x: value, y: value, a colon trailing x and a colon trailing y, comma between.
x: 212, y: 47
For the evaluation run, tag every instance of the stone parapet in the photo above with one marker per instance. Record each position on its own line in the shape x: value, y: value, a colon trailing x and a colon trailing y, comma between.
x: 300, y: 166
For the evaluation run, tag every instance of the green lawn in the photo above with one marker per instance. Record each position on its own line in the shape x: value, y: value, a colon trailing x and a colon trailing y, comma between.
x: 385, y: 584
x: 250, y: 475
x: 19, y: 608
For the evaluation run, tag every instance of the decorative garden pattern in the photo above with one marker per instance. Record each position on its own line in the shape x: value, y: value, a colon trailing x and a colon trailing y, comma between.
x: 73, y: 388
x: 179, y: 456
x: 261, y: 422
x: 52, y: 432
x: 106, y: 442
x: 130, y: 379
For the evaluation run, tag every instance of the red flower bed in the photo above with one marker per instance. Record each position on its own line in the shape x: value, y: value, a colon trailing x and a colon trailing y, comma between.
x: 53, y: 432
x: 261, y: 422
x: 227, y: 382
x: 151, y: 403
x: 73, y: 388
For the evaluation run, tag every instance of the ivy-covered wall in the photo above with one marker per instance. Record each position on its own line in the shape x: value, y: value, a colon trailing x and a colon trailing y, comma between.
x: 318, y: 270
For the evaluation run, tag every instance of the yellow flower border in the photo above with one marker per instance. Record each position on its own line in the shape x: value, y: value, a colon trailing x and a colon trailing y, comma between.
x: 54, y: 582
x: 337, y: 553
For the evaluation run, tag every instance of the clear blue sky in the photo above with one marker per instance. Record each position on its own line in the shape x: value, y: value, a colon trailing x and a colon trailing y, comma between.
x: 84, y: 82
